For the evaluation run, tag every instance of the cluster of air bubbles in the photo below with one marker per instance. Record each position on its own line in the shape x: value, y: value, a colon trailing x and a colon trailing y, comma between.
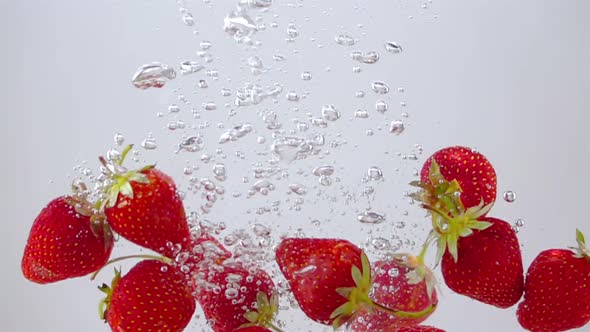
x: 386, y: 245
x: 263, y: 187
x: 370, y: 57
x: 235, y: 133
x: 344, y: 40
x: 191, y: 144
x: 254, y: 94
x: 330, y: 113
x: 518, y: 224
x: 291, y: 148
x: 149, y: 143
x: 324, y: 174
x: 119, y: 139
x: 210, y: 191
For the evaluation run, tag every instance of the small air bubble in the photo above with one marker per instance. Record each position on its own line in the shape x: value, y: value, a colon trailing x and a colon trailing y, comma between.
x: 509, y: 196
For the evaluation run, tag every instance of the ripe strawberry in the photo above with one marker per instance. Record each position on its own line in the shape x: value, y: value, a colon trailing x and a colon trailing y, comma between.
x: 557, y: 290
x: 144, y: 207
x: 232, y: 297
x: 63, y: 243
x: 418, y: 328
x: 330, y: 279
x: 402, y: 283
x: 152, y: 296
x: 485, y: 265
x: 456, y: 178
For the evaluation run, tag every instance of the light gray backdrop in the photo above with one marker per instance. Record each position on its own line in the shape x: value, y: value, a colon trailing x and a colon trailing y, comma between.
x: 510, y: 78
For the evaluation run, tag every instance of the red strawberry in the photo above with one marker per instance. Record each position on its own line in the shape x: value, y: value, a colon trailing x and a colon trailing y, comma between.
x: 485, y: 265
x: 557, y: 290
x: 330, y: 279
x: 144, y: 207
x: 233, y: 297
x: 152, y: 296
x: 63, y: 243
x: 400, y: 283
x: 457, y: 172
x: 419, y: 328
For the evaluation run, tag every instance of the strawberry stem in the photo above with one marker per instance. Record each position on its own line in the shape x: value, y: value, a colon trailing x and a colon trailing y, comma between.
x: 406, y: 314
x: 431, y: 237
x: 124, y: 154
x: 118, y: 259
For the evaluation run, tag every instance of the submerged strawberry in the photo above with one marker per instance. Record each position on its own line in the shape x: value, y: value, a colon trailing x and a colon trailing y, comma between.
x: 330, y: 279
x: 152, y: 296
x: 64, y: 243
x: 486, y: 265
x: 456, y: 178
x: 557, y: 290
x: 401, y: 283
x: 144, y: 207
x: 234, y: 297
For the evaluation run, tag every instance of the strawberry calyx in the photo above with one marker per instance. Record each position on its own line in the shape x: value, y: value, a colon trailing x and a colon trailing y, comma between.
x: 121, y: 178
x: 582, y: 250
x: 359, y: 298
x: 418, y: 271
x: 449, y: 229
x: 81, y: 204
x: 104, y: 304
x: 440, y: 194
x: 266, y: 311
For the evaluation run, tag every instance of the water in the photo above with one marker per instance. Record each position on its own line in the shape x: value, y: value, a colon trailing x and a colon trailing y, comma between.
x: 298, y: 156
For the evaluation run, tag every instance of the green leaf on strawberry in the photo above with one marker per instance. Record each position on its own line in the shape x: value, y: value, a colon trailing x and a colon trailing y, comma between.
x: 450, y: 229
x: 266, y: 311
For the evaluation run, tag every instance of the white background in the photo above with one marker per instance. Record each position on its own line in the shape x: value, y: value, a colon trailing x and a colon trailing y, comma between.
x: 508, y: 77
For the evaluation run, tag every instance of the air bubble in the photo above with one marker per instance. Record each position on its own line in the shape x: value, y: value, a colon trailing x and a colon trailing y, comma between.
x: 509, y: 196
